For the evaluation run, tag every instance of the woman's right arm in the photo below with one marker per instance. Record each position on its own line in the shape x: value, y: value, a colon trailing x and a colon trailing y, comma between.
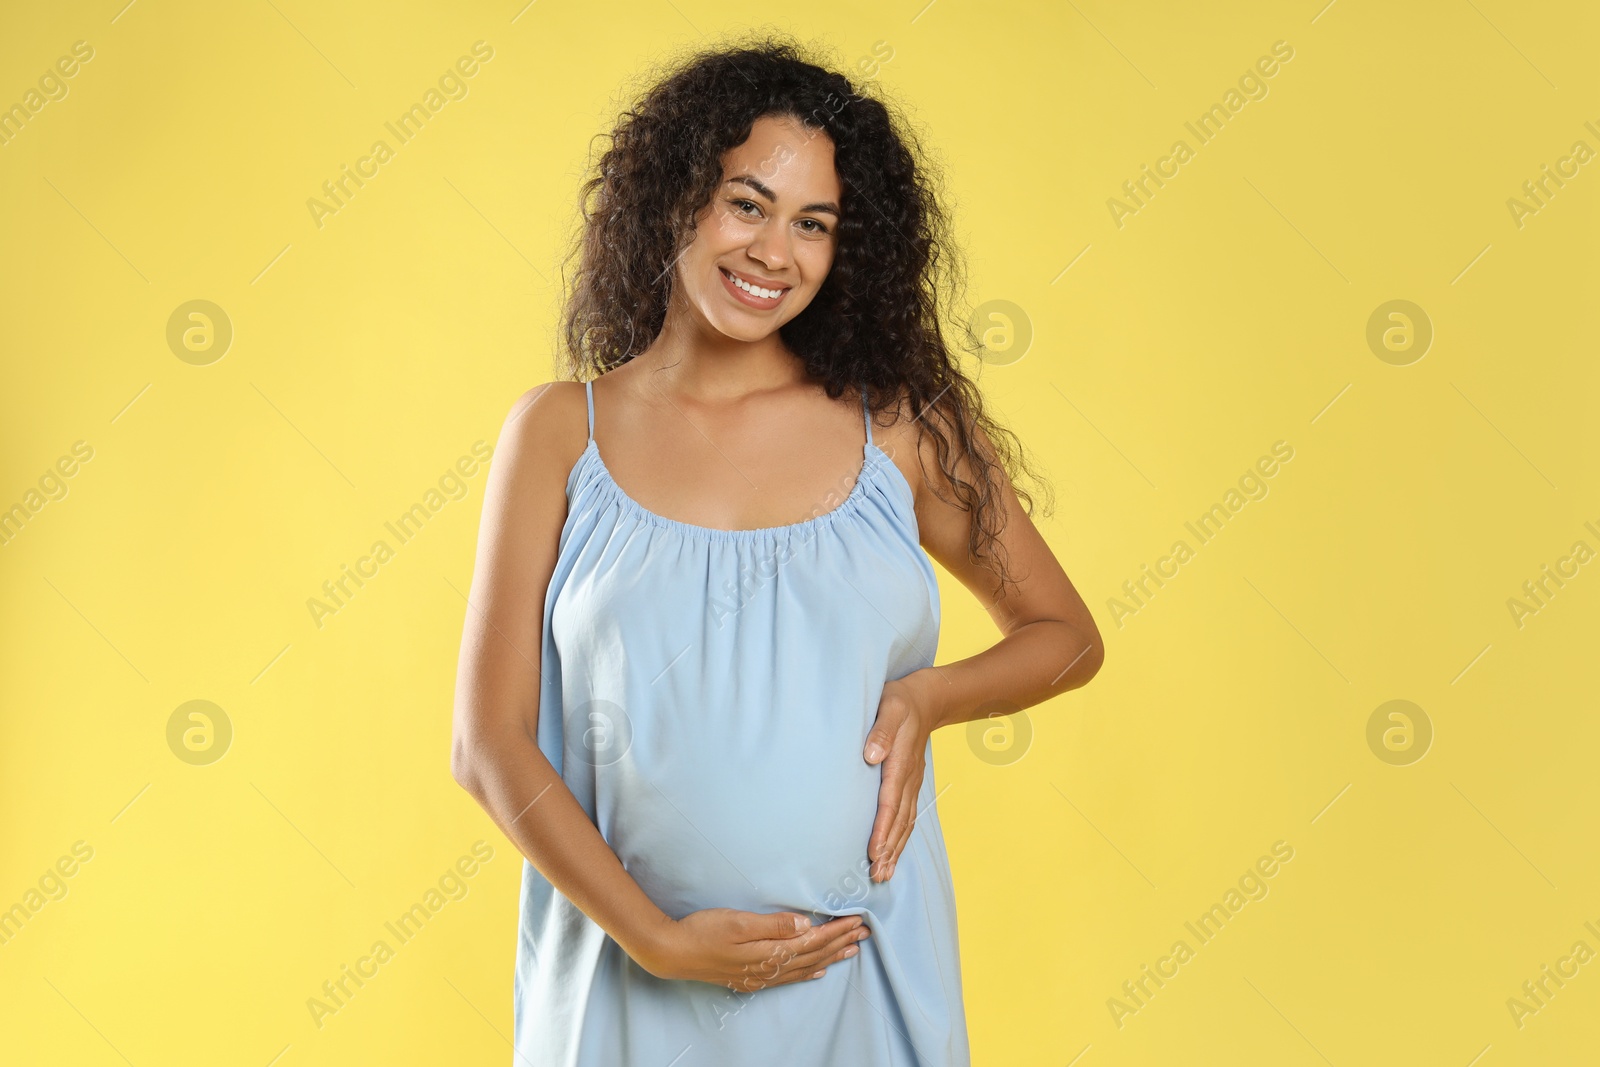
x: 494, y: 751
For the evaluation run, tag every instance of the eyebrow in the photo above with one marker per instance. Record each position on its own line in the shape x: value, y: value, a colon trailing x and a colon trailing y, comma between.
x: 829, y: 206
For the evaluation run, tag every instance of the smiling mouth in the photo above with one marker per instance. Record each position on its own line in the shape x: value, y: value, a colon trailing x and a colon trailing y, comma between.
x: 750, y: 293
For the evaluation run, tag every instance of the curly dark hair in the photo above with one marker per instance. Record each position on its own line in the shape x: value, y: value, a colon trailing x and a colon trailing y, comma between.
x: 875, y: 324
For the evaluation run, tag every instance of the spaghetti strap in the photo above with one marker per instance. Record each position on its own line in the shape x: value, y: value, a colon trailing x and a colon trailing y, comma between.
x: 588, y: 395
x: 866, y: 415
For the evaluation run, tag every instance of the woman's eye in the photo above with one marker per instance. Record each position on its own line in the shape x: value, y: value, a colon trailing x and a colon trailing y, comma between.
x: 751, y: 209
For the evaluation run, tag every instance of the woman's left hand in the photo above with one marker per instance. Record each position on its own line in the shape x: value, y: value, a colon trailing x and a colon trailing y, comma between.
x: 898, y: 740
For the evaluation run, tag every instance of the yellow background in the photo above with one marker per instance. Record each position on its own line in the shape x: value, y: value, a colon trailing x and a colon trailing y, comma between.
x: 1229, y: 313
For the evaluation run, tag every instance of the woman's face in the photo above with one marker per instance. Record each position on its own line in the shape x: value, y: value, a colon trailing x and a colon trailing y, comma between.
x: 772, y: 225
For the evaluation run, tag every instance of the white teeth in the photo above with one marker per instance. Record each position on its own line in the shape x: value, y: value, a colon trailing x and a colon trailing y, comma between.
x: 756, y: 290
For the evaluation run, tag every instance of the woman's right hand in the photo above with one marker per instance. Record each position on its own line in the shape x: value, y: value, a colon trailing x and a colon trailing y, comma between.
x: 747, y: 950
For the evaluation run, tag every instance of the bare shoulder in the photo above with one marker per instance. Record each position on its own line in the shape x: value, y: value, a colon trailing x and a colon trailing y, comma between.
x: 899, y: 434
x: 910, y: 437
x: 545, y: 430
x: 541, y: 440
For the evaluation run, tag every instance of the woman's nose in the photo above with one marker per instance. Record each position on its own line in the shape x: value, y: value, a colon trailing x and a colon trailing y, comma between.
x: 771, y: 247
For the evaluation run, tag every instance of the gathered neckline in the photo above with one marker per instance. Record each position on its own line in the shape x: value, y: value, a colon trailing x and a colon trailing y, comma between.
x: 851, y: 502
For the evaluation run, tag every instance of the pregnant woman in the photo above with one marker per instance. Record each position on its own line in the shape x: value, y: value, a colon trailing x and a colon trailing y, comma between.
x: 697, y: 679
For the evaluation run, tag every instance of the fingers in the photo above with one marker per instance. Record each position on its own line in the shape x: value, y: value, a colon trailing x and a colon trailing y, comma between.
x: 878, y: 851
x: 801, y: 958
x: 773, y: 926
x: 898, y: 832
x: 880, y: 739
x: 899, y: 847
x: 889, y: 804
x: 894, y: 812
x: 837, y: 948
x: 904, y: 769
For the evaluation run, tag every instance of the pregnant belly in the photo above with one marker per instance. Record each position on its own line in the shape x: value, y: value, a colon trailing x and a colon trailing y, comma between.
x: 776, y: 826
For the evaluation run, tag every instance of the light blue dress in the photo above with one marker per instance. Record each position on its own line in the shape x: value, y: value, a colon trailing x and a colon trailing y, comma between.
x: 706, y: 696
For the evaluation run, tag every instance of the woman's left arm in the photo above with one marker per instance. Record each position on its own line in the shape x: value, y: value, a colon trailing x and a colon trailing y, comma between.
x: 1050, y: 644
